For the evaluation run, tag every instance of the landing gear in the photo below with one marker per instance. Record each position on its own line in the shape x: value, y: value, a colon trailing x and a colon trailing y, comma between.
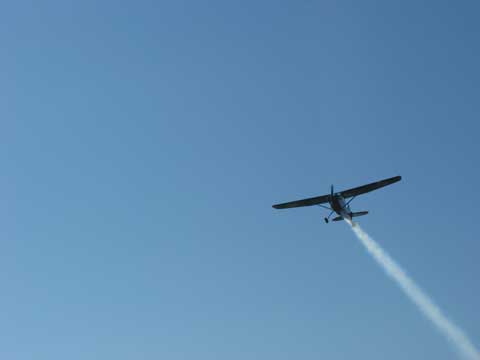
x: 331, y: 212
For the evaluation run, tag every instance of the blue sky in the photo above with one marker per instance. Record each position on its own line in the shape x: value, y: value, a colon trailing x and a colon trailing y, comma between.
x: 143, y: 144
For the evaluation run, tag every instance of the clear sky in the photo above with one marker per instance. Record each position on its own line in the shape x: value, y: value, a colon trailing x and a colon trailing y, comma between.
x: 144, y: 142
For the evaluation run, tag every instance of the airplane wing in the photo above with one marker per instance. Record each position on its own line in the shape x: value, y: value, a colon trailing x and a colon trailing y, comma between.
x: 304, y: 202
x: 369, y: 187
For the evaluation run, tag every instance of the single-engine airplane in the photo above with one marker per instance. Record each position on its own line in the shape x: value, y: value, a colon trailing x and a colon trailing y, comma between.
x: 337, y: 200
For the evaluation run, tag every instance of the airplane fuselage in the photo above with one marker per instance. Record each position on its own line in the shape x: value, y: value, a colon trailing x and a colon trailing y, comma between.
x: 340, y: 206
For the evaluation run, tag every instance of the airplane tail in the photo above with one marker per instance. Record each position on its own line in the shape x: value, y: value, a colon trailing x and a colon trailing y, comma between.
x: 359, y: 213
x: 355, y: 214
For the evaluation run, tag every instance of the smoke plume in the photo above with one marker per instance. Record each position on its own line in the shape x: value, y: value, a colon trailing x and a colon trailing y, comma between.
x: 453, y: 333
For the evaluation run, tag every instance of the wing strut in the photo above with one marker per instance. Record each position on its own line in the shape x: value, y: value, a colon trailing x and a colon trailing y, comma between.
x: 325, y: 207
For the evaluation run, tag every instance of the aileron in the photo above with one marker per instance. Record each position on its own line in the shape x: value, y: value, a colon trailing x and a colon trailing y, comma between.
x: 304, y: 202
x: 369, y: 187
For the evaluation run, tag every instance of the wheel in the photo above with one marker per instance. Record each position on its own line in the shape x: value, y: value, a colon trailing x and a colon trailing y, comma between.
x: 326, y: 220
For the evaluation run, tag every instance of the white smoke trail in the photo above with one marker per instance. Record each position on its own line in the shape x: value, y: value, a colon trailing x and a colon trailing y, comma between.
x: 418, y: 296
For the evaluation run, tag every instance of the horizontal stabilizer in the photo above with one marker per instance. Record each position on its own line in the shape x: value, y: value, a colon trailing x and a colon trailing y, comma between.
x: 360, y: 213
x: 355, y: 214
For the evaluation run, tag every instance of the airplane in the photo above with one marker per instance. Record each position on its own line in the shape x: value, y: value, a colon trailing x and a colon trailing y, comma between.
x: 337, y: 200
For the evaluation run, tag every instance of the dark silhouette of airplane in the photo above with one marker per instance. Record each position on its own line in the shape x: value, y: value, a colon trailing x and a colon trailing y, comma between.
x: 337, y: 200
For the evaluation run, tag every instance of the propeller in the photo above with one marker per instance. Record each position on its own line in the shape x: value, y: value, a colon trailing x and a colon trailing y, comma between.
x: 331, y: 199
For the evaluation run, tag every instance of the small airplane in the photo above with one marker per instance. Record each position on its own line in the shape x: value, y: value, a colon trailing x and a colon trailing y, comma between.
x: 337, y: 200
